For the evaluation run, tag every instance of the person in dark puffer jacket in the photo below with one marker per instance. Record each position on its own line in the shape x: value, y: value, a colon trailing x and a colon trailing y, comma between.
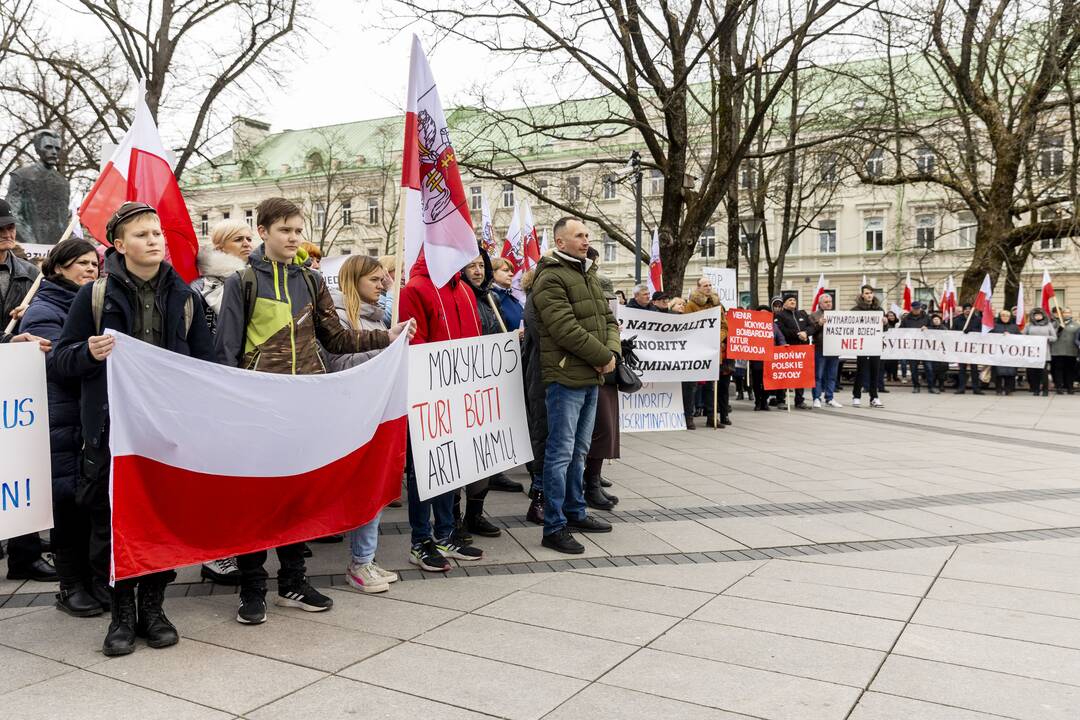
x: 70, y: 265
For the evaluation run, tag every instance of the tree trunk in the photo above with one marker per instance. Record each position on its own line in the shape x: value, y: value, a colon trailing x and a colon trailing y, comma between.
x: 990, y: 252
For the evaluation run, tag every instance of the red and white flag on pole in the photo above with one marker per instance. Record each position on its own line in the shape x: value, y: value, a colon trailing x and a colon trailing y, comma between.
x: 437, y: 219
x: 948, y: 300
x: 183, y: 493
x: 984, y: 304
x: 656, y: 267
x: 818, y: 292
x: 487, y: 230
x: 1021, y: 315
x: 544, y: 244
x: 530, y: 242
x: 907, y: 293
x: 1047, y: 297
x: 140, y: 170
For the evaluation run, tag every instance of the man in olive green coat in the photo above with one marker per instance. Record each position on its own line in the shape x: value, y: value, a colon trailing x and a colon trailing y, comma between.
x: 579, y: 341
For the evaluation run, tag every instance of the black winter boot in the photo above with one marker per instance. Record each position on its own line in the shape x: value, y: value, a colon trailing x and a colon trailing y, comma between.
x: 606, y: 483
x: 74, y: 600
x: 594, y: 495
x: 120, y: 639
x: 152, y: 624
x: 100, y: 591
x: 476, y: 523
x: 535, y: 513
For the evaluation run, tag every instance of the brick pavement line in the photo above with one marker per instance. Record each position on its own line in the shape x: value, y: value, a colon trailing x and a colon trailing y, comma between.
x: 780, y: 509
x: 202, y: 588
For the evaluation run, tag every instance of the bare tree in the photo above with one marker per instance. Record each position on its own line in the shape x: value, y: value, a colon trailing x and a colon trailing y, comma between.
x: 982, y: 104
x: 669, y: 80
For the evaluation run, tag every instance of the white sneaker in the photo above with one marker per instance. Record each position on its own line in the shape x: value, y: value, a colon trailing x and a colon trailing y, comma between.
x: 817, y: 403
x: 387, y: 575
x: 364, y: 578
x: 836, y: 404
x: 856, y: 402
x: 874, y: 402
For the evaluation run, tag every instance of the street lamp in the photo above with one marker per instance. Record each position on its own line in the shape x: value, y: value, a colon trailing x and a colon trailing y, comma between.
x: 635, y: 165
x: 751, y: 227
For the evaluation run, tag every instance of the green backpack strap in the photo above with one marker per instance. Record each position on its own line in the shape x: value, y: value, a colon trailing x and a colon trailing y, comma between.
x: 97, y: 301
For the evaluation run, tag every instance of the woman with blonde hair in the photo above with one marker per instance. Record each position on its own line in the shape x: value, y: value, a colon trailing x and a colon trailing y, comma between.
x: 503, y: 275
x: 228, y: 251
x: 361, y: 280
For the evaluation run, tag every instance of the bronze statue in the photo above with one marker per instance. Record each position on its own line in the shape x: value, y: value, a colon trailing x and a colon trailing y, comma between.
x: 39, y: 195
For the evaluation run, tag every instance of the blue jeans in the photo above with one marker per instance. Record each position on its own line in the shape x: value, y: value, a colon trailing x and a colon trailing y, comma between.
x: 825, y: 368
x: 420, y: 510
x: 365, y: 540
x: 571, y: 413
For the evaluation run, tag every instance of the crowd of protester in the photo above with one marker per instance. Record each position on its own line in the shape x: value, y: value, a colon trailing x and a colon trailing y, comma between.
x: 261, y: 304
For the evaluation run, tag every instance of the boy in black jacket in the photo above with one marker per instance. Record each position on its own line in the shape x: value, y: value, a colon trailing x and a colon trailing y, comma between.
x: 146, y: 299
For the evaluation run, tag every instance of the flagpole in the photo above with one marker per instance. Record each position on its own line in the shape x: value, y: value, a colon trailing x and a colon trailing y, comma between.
x: 498, y: 315
x: 37, y: 281
x: 399, y: 260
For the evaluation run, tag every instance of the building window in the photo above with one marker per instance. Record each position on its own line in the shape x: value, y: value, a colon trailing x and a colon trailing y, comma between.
x: 573, y: 188
x: 707, y: 243
x: 320, y: 216
x: 925, y: 160
x: 827, y: 236
x: 608, y: 187
x: 373, y: 211
x: 925, y: 295
x: 747, y: 176
x: 875, y: 234
x: 1049, y: 243
x: 204, y: 225
x: 609, y: 248
x: 966, y: 229
x: 476, y: 197
x: 542, y: 187
x: 875, y: 163
x: 373, y: 250
x: 1051, y: 155
x: 828, y: 168
x: 508, y: 195
x: 249, y: 218
x: 225, y: 215
x: 925, y: 231
x: 656, y: 182
x: 346, y: 213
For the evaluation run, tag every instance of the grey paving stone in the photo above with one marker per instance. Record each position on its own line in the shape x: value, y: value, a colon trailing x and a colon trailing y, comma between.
x: 876, y: 706
x: 1042, y: 602
x: 382, y: 616
x: 479, y: 684
x: 1015, y: 624
x: 825, y: 597
x: 19, y: 669
x: 604, y: 701
x: 856, y: 578
x: 622, y: 593
x: 733, y: 688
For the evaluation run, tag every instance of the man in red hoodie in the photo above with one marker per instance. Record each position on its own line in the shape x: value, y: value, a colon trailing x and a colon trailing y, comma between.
x: 445, y: 313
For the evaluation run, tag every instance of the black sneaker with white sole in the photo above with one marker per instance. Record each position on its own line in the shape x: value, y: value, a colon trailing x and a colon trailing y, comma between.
x: 451, y: 548
x: 304, y: 597
x: 427, y: 557
x: 252, y: 606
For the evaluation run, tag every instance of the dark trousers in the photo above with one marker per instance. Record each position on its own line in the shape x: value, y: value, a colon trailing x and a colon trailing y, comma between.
x: 1004, y: 383
x: 889, y: 370
x: 757, y: 381
x: 742, y: 387
x: 1036, y: 378
x: 23, y: 550
x: 723, y: 392
x: 253, y: 571
x: 689, y: 397
x: 71, y: 543
x: 928, y: 371
x: 1063, y: 370
x: 867, y: 372
x: 962, y: 374
x: 92, y: 496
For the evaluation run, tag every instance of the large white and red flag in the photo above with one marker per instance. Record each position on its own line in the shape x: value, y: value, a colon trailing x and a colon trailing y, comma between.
x: 1021, y: 315
x: 818, y: 292
x: 907, y: 293
x: 487, y: 230
x: 140, y: 170
x: 984, y: 304
x: 222, y: 472
x: 656, y: 267
x: 948, y: 300
x: 530, y: 242
x: 437, y: 219
x: 1047, y: 297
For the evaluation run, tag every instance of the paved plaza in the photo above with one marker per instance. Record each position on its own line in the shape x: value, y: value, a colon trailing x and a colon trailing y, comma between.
x: 913, y: 563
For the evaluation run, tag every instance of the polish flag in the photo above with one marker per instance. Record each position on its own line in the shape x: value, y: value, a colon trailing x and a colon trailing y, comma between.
x: 212, y: 478
x: 437, y: 218
x: 531, y: 244
x: 139, y: 170
x: 656, y: 267
x: 1047, y: 293
x: 907, y: 293
x: 948, y: 300
x: 818, y: 292
x: 984, y: 304
x: 1021, y: 316
x: 487, y: 231
x: 543, y: 244
x: 513, y: 245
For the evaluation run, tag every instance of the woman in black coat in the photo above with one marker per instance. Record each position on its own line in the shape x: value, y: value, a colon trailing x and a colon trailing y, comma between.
x: 1005, y: 377
x: 70, y: 265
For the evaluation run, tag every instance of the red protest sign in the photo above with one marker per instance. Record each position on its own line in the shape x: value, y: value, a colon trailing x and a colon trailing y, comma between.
x: 789, y: 366
x: 749, y: 334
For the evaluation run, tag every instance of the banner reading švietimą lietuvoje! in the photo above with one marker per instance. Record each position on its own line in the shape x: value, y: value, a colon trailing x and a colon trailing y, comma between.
x: 466, y: 411
x: 673, y: 348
